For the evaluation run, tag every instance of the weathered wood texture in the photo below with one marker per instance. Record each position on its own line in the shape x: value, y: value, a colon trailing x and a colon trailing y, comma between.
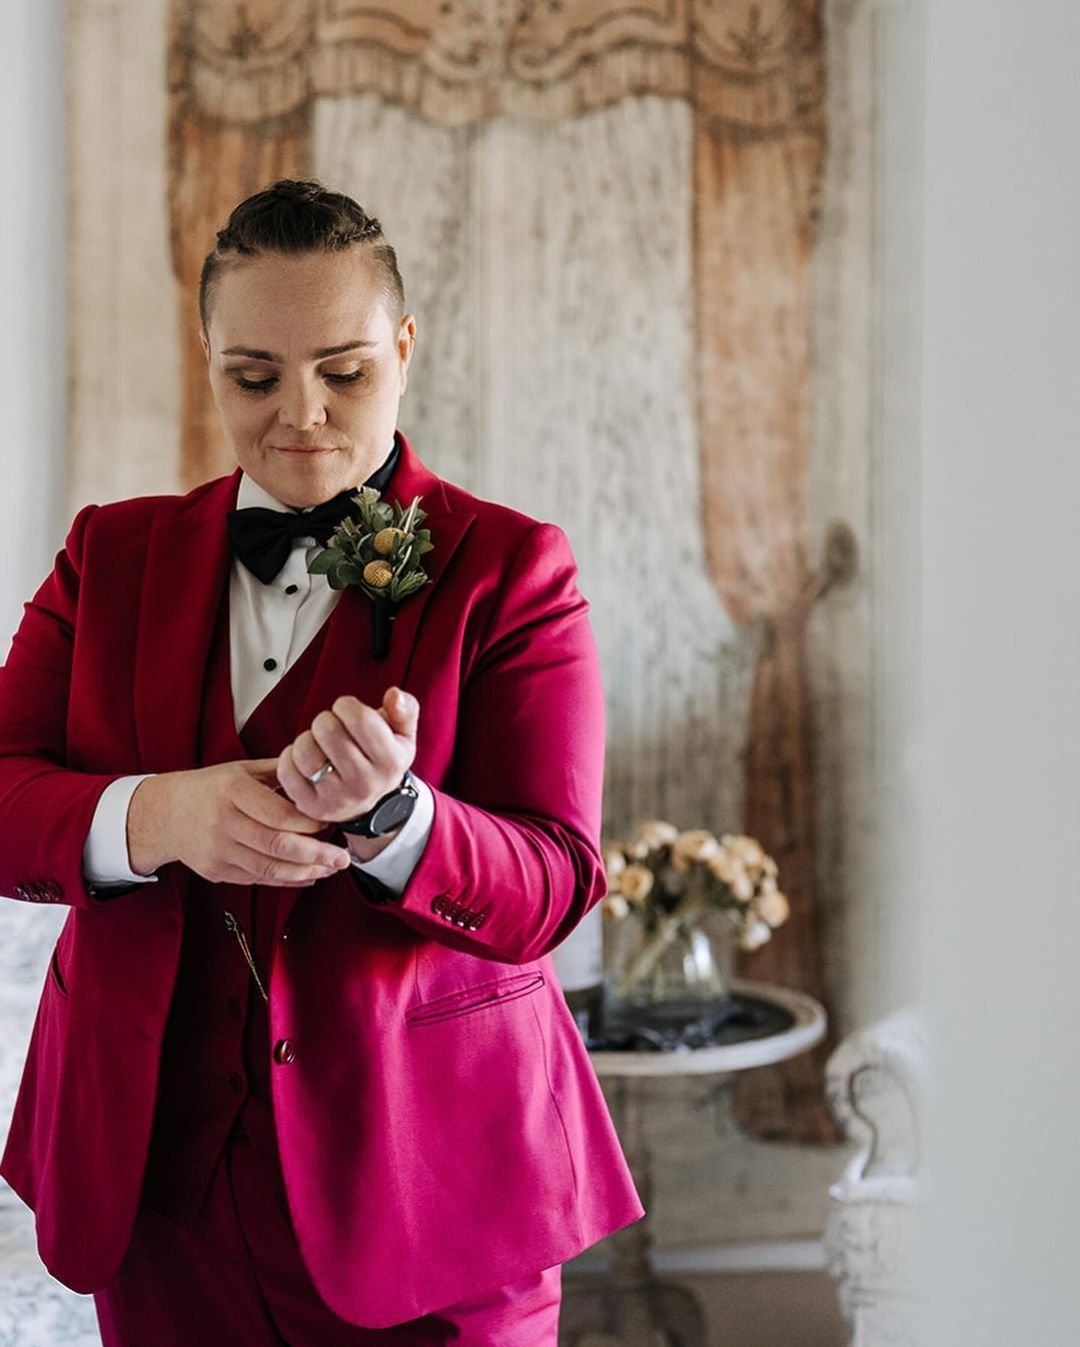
x: 123, y: 389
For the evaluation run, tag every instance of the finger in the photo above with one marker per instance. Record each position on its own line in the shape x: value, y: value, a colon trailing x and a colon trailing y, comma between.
x: 297, y: 785
x: 306, y: 753
x: 262, y: 869
x: 368, y: 729
x: 234, y: 874
x: 295, y: 848
x: 354, y: 763
x: 262, y: 769
x: 402, y: 711
x: 264, y: 805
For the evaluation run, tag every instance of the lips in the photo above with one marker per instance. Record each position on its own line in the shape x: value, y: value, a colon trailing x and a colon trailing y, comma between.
x: 303, y: 448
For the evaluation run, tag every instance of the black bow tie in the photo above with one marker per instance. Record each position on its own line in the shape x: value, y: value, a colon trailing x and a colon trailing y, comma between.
x: 263, y: 539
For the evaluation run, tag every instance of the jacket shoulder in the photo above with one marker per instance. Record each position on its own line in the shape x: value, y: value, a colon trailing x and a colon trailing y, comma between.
x: 134, y: 516
x: 495, y: 522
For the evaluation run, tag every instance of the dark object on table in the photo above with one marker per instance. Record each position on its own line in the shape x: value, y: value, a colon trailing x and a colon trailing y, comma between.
x: 732, y: 1021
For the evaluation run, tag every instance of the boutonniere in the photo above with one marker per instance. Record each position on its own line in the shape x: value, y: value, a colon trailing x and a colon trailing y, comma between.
x: 381, y: 550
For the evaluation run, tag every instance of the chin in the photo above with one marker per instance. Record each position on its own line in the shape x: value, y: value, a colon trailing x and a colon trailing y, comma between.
x: 300, y: 481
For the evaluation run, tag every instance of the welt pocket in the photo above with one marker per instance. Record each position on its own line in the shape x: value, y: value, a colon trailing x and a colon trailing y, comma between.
x: 57, y: 976
x: 474, y: 998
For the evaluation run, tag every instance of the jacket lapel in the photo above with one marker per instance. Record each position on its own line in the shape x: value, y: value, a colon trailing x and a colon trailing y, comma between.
x: 187, y: 568
x: 346, y: 666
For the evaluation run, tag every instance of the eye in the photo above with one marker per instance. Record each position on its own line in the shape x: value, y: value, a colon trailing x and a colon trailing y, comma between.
x: 345, y: 378
x: 255, y: 385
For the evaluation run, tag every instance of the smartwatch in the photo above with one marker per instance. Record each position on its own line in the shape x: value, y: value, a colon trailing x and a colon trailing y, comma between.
x: 387, y: 814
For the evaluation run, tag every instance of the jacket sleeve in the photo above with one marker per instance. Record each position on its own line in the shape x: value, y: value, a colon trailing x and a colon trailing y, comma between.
x: 45, y: 807
x: 513, y: 860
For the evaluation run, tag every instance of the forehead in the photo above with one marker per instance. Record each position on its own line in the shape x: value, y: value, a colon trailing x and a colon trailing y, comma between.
x: 294, y: 303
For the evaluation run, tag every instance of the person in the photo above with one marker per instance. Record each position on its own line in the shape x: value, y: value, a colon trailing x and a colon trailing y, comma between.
x: 301, y: 1070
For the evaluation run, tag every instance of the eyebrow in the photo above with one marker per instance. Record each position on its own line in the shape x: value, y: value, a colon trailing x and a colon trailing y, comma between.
x: 315, y: 355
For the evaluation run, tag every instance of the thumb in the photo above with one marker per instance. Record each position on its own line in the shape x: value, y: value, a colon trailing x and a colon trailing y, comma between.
x: 263, y: 770
x: 401, y: 710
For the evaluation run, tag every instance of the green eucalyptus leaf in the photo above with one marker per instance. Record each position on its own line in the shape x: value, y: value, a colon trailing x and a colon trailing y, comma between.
x: 324, y: 562
x: 405, y: 585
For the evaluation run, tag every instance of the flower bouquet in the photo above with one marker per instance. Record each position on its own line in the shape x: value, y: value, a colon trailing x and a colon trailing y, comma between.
x: 677, y: 905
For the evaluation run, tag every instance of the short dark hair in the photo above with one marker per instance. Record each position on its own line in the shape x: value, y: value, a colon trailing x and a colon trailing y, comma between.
x: 300, y: 217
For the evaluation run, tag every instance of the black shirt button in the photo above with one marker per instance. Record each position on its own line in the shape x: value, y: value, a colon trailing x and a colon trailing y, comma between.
x: 291, y: 589
x: 234, y: 1007
x: 269, y: 665
x: 236, y: 1082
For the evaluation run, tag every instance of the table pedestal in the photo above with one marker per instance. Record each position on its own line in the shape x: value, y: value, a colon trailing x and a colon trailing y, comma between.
x: 631, y: 1308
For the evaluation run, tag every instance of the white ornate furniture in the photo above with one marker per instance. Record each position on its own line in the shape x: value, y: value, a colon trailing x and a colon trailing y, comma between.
x: 875, y: 1081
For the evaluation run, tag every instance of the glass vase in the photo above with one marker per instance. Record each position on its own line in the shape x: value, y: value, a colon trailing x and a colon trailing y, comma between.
x: 665, y: 974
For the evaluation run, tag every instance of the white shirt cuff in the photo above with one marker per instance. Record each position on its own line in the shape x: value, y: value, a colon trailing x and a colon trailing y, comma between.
x: 105, y: 852
x: 394, y: 865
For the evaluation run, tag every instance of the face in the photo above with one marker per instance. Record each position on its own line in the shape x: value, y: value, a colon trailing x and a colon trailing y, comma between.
x: 307, y: 368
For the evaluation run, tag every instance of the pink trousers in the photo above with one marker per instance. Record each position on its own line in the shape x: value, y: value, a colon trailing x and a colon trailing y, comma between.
x: 237, y: 1280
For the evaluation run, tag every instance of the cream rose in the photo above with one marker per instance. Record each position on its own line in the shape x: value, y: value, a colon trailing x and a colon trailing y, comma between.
x: 742, y: 886
x: 772, y: 908
x: 655, y: 833
x: 614, y: 864
x: 635, y: 883
x: 693, y: 846
x: 755, y: 934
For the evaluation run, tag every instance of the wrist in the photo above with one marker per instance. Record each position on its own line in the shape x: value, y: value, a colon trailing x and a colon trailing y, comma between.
x: 367, y: 848
x: 147, y: 825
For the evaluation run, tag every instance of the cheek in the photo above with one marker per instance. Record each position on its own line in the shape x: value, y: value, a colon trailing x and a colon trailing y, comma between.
x: 240, y: 414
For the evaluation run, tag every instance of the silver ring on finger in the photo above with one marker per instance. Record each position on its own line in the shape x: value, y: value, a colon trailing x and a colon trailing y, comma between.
x: 327, y: 769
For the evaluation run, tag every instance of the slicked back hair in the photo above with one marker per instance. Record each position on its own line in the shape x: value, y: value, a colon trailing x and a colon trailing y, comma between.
x: 300, y: 217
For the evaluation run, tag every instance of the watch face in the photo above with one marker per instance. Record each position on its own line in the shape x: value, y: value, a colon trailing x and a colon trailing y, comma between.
x: 393, y: 813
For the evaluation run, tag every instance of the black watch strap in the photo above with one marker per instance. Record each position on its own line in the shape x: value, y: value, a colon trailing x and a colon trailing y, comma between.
x: 387, y: 814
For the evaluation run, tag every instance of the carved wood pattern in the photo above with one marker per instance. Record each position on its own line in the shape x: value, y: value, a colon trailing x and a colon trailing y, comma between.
x: 244, y: 78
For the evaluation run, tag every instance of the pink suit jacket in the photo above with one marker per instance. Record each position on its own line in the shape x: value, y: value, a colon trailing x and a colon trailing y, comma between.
x: 441, y: 1128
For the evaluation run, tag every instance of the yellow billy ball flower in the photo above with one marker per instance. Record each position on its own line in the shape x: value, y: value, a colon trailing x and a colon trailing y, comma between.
x: 378, y: 574
x: 384, y: 540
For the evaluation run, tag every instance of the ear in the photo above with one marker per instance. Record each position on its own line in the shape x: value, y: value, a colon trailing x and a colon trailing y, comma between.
x: 406, y: 344
x: 204, y: 343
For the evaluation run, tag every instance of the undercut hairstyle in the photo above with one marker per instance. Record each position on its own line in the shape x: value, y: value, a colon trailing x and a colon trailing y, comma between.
x: 300, y: 217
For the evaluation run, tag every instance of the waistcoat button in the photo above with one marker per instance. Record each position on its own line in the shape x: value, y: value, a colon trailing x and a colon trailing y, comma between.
x: 284, y: 1051
x: 234, y: 1007
x: 236, y: 1082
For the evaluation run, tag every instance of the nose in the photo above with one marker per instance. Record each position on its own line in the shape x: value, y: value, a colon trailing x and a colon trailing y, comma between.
x: 301, y: 404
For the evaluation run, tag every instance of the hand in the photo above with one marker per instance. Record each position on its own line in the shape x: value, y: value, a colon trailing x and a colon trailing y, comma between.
x: 228, y: 824
x: 370, y: 749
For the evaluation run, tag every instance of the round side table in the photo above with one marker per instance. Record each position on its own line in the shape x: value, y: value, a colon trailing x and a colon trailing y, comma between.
x: 634, y: 1309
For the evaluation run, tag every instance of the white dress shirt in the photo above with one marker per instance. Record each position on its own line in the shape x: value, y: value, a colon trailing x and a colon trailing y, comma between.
x: 270, y: 627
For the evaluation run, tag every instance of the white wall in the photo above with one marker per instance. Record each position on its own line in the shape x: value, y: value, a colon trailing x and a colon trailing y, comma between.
x: 1000, y: 758
x: 33, y: 379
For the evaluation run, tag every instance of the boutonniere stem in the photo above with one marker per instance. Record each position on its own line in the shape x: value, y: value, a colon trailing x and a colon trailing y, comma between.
x: 380, y: 550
